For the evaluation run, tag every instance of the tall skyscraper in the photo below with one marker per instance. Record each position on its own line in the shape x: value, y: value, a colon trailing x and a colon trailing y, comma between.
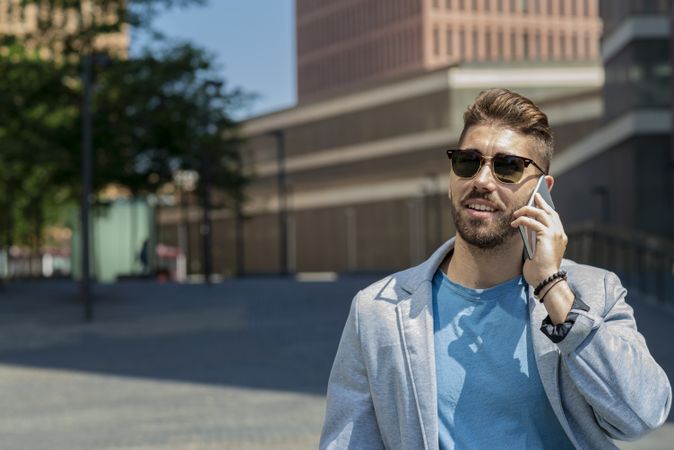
x: 345, y: 43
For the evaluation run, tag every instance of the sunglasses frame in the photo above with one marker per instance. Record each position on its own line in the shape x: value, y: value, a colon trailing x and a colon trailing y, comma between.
x: 483, y: 158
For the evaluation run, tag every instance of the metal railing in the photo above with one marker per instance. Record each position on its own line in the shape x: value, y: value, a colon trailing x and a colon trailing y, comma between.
x: 644, y: 262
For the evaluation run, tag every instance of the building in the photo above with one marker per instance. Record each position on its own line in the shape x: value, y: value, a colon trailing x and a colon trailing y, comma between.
x: 354, y: 178
x: 628, y: 156
x: 21, y: 19
x: 346, y: 43
x: 363, y: 176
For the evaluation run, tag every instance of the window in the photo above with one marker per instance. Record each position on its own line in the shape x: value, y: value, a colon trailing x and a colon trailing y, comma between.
x: 574, y: 46
x: 551, y: 46
x: 462, y: 44
x: 436, y: 41
x: 475, y: 45
x: 562, y: 46
x: 448, y: 40
x: 487, y: 45
x: 513, y: 45
x: 525, y: 45
x: 500, y: 39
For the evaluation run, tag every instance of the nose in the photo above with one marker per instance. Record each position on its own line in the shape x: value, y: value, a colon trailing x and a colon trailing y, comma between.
x: 484, y: 179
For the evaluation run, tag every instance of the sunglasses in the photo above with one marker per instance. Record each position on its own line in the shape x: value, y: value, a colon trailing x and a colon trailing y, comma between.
x: 466, y: 163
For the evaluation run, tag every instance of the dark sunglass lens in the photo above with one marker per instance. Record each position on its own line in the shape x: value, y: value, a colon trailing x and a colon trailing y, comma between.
x: 465, y: 164
x: 508, y: 169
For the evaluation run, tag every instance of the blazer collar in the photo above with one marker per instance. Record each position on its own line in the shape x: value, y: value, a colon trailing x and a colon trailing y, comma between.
x: 411, y: 279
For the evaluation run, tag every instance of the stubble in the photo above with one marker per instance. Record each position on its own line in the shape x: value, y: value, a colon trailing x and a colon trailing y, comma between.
x: 481, y: 233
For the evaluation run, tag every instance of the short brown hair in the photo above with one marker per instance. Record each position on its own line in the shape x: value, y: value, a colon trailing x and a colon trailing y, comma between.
x: 501, y: 107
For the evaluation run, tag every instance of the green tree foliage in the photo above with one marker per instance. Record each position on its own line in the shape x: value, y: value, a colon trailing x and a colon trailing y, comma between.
x: 154, y: 113
x: 163, y: 111
x: 36, y: 138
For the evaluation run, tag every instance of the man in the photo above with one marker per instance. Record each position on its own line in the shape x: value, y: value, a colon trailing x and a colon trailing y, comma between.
x: 481, y: 348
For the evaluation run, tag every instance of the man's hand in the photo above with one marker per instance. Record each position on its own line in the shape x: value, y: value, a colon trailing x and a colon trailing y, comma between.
x: 550, y: 239
x: 551, y: 243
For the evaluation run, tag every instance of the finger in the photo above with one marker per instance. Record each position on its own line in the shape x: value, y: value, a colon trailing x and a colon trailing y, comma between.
x: 535, y: 213
x: 554, y: 216
x: 529, y: 223
x: 542, y: 204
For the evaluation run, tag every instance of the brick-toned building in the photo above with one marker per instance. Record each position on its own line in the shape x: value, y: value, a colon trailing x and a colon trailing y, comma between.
x: 365, y: 174
x: 354, y: 177
x: 345, y: 43
x: 19, y: 19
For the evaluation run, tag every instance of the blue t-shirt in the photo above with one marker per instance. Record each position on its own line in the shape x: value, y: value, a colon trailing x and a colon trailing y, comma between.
x: 489, y: 392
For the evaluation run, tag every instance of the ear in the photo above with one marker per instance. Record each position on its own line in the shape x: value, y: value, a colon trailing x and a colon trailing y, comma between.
x: 550, y: 181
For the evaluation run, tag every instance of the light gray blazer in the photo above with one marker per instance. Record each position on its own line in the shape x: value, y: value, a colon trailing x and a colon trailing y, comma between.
x: 601, y: 380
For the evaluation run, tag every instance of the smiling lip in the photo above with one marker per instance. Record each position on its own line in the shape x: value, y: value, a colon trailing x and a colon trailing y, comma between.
x: 478, y: 208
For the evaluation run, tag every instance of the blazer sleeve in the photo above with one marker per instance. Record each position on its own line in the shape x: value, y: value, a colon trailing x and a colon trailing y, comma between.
x: 350, y: 421
x: 610, y: 364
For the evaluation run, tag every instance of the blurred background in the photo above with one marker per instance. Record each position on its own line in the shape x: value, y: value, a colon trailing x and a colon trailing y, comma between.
x: 168, y: 162
x: 189, y: 180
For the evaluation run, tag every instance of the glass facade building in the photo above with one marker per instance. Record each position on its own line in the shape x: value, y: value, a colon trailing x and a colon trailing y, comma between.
x: 634, y: 169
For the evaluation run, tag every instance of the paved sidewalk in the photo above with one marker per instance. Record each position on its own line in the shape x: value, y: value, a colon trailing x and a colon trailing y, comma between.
x: 237, y: 365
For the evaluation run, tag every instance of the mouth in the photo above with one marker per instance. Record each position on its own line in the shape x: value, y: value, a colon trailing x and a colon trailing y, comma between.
x: 479, y: 210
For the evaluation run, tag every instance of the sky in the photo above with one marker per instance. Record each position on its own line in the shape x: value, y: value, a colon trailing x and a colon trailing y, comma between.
x: 253, y: 42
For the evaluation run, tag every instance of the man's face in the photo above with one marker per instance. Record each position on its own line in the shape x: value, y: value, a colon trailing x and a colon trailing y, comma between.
x: 491, y: 228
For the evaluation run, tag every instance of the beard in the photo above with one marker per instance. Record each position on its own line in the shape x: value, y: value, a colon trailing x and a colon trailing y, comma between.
x: 484, y: 234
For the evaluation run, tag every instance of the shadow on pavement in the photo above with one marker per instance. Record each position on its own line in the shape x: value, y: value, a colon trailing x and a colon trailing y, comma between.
x: 267, y: 333
x: 259, y: 333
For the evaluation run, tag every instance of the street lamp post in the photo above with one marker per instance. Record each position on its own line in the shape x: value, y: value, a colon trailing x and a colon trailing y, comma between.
x: 87, y: 157
x: 238, y: 229
x: 186, y: 181
x: 89, y: 60
x: 206, y: 220
x: 282, y: 203
x: 206, y: 227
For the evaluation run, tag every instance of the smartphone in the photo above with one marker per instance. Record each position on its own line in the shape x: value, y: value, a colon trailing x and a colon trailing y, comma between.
x: 529, y: 236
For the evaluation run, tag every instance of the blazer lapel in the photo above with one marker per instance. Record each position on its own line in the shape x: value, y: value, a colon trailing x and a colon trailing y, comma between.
x: 415, y: 323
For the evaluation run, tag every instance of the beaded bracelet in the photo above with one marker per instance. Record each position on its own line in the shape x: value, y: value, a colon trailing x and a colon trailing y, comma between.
x: 554, y: 276
x: 550, y: 288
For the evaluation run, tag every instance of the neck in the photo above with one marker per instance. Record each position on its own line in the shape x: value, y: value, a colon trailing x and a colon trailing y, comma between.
x: 478, y: 268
